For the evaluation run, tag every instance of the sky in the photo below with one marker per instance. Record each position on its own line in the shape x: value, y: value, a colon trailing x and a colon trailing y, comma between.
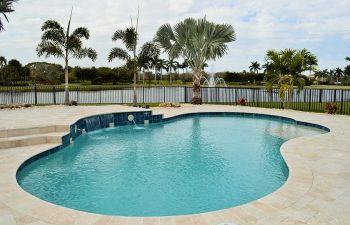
x: 321, y: 26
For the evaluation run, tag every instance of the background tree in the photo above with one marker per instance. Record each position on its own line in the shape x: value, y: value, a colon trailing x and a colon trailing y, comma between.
x: 129, y: 38
x: 6, y: 6
x: 148, y: 56
x: 61, y: 43
x: 184, y: 66
x: 311, y: 60
x: 285, y: 70
x: 16, y: 68
x: 3, y: 63
x: 197, y: 41
x: 255, y: 67
x: 161, y: 65
x: 45, y: 73
x: 347, y: 68
x: 172, y: 65
x: 338, y: 73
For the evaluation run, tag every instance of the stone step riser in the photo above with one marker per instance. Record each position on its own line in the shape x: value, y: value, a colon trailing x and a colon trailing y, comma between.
x: 30, y: 141
x: 32, y: 131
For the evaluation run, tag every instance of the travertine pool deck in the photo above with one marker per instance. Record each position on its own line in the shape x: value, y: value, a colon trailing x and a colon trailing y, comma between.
x: 316, y: 192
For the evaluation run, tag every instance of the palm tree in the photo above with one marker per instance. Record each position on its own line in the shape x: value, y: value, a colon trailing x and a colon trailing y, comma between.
x: 347, y: 59
x: 197, y: 41
x: 310, y: 60
x: 61, y: 43
x: 129, y: 38
x: 338, y: 73
x: 184, y: 66
x: 172, y: 65
x: 5, y: 7
x: 160, y: 65
x: 3, y: 63
x: 285, y: 70
x: 255, y: 67
x: 149, y: 53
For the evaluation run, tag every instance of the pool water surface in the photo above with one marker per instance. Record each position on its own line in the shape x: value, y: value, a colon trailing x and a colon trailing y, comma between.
x: 184, y: 166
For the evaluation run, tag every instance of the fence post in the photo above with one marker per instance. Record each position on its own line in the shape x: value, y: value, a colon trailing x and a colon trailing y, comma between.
x: 341, y: 101
x: 310, y: 99
x: 185, y: 94
x: 35, y: 95
x: 101, y: 96
x: 54, y: 94
x: 236, y: 95
x: 217, y: 96
x: 11, y: 93
x: 143, y: 95
x: 254, y: 93
x: 77, y: 94
x: 335, y: 95
x: 163, y: 94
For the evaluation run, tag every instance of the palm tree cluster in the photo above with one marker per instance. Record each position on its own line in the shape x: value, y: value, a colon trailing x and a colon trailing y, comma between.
x: 285, y: 69
x: 6, y: 6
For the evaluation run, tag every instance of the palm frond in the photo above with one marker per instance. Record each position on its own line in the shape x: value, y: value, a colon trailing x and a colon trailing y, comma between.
x: 165, y: 38
x: 54, y: 35
x: 80, y: 53
x: 48, y: 48
x: 81, y: 32
x: 51, y: 25
x: 118, y: 53
x: 149, y: 50
x: 6, y: 7
x: 128, y: 36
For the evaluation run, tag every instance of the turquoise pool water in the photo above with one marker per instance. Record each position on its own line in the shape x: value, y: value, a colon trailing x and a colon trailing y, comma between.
x: 185, y: 166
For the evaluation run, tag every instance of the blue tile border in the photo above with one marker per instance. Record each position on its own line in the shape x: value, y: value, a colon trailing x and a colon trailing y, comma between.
x: 121, y: 119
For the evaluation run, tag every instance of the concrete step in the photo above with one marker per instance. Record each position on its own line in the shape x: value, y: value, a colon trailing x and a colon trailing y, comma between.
x: 28, y: 140
x: 33, y: 131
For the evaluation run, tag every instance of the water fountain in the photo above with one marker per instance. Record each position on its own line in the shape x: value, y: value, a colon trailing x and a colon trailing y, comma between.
x: 214, y: 81
x: 131, y: 118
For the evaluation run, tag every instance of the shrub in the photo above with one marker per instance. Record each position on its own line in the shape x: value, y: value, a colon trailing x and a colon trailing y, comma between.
x: 196, y: 101
x: 73, y: 103
x: 331, y: 108
x: 242, y: 102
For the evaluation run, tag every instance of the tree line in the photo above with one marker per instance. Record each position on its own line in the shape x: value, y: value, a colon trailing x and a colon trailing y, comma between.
x: 193, y: 41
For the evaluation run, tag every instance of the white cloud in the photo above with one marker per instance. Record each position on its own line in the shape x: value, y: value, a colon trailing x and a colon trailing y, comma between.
x: 179, y: 6
x: 322, y: 26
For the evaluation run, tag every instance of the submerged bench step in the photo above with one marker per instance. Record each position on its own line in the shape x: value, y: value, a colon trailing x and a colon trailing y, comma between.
x: 28, y: 140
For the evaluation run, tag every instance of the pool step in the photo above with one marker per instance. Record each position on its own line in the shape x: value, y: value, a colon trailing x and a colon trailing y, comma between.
x: 33, y: 131
x: 28, y: 140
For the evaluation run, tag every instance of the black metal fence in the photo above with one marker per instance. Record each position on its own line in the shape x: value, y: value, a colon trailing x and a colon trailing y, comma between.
x: 314, y: 100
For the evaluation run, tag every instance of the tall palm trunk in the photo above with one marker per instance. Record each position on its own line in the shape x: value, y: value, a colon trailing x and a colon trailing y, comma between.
x: 196, y: 98
x: 66, y: 69
x: 66, y: 84
x: 66, y: 81
x: 161, y: 76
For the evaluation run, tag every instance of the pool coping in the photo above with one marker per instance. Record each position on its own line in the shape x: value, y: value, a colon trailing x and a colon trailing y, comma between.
x: 298, y: 184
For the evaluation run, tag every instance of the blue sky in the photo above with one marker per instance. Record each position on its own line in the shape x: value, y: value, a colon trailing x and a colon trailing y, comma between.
x: 321, y: 26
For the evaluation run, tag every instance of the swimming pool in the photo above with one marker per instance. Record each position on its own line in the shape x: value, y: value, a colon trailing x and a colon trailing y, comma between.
x: 183, y: 166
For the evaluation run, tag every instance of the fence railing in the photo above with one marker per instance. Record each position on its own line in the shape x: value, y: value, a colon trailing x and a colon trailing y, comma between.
x: 314, y: 100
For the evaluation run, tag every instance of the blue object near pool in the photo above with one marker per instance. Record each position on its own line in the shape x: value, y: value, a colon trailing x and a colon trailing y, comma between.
x: 182, y: 166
